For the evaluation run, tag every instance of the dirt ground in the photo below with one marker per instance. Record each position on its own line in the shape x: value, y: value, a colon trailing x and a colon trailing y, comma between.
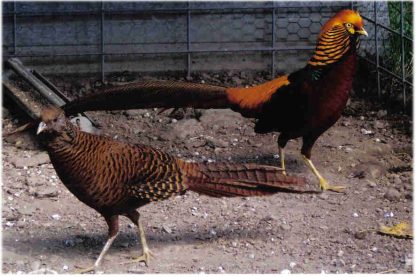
x: 368, y: 151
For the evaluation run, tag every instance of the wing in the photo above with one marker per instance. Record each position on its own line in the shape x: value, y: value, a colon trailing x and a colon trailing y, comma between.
x: 286, y: 108
x: 155, y: 174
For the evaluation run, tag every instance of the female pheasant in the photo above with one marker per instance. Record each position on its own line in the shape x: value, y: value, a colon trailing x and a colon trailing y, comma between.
x: 115, y: 178
x: 302, y: 104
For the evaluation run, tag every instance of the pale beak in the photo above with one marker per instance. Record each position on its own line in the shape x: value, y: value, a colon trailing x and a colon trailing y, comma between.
x: 362, y: 31
x: 41, y: 128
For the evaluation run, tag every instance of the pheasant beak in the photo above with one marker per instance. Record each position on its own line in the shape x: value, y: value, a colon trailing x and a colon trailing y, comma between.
x: 362, y: 31
x: 41, y: 128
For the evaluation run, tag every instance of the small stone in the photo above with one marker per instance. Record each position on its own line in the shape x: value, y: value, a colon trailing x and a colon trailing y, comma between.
x: 388, y: 215
x: 285, y: 271
x: 340, y: 253
x: 45, y: 192
x: 381, y: 113
x: 214, y: 142
x: 69, y: 243
x: 65, y: 267
x: 167, y: 229
x: 323, y: 196
x: 375, y: 172
x: 35, y: 265
x: 355, y: 214
x: 292, y: 265
x: 348, y: 150
x: 378, y: 124
x: 56, y: 216
x: 285, y: 227
x: 392, y: 194
x: 6, y: 112
x: 366, y: 132
x: 397, y: 180
x: 360, y: 235
x: 124, y: 245
x: 371, y: 184
x: 374, y: 249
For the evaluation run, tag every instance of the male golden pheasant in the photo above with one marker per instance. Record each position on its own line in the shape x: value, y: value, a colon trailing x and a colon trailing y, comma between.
x: 115, y: 178
x: 303, y: 104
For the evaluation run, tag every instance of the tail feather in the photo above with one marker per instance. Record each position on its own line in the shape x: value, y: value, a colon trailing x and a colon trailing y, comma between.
x: 228, y: 180
x: 151, y: 94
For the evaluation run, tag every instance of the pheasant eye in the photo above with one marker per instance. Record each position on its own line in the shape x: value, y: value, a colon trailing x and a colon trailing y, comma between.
x: 348, y: 25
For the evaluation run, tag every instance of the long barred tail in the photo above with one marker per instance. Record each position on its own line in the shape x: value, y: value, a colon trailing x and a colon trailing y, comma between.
x: 151, y: 94
x: 227, y: 179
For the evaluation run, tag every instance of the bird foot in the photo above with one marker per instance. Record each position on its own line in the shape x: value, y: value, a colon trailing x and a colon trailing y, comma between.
x: 85, y: 270
x: 323, y: 184
x: 147, y: 254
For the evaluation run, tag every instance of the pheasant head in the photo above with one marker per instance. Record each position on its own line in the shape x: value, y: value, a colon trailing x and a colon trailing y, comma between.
x: 54, y: 123
x: 338, y: 37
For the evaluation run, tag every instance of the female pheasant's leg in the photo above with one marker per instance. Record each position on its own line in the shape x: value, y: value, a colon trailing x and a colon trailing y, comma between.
x: 113, y: 227
x: 323, y: 184
x: 145, y: 257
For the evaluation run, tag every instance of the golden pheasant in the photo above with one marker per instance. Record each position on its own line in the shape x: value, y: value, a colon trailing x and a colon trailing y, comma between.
x: 302, y: 104
x: 115, y: 178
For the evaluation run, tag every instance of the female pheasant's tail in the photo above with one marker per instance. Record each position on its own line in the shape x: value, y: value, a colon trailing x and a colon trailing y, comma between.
x: 151, y: 94
x: 229, y: 180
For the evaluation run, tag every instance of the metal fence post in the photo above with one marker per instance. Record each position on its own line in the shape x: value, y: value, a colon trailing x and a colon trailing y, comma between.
x: 14, y: 27
x: 188, y: 40
x: 102, y: 43
x: 376, y: 45
x: 273, y: 40
x: 402, y: 52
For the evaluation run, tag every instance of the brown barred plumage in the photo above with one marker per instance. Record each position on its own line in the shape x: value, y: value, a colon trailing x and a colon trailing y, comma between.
x: 115, y: 178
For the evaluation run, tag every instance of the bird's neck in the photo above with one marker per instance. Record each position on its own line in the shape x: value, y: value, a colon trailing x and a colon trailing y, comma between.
x: 333, y: 46
x: 67, y: 138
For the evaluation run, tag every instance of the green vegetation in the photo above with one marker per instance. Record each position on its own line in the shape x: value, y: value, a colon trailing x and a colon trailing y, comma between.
x: 394, y: 48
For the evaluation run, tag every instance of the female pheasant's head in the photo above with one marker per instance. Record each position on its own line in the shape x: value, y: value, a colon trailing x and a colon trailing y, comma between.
x: 53, y: 122
x: 338, y: 37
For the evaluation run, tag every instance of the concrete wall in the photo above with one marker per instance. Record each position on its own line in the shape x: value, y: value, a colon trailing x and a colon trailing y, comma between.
x: 49, y: 31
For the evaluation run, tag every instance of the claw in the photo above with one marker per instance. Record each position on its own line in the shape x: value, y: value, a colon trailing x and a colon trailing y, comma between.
x: 147, y: 254
x: 323, y: 184
x: 85, y: 270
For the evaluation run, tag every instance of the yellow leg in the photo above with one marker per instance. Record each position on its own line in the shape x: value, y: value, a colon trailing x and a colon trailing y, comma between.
x: 282, y: 160
x: 323, y: 184
x: 99, y: 259
x: 145, y: 257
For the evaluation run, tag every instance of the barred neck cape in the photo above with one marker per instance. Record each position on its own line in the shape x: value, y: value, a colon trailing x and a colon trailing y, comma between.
x: 333, y: 45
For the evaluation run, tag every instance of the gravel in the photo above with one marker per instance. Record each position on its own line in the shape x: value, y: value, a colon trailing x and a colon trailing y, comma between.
x: 235, y: 234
